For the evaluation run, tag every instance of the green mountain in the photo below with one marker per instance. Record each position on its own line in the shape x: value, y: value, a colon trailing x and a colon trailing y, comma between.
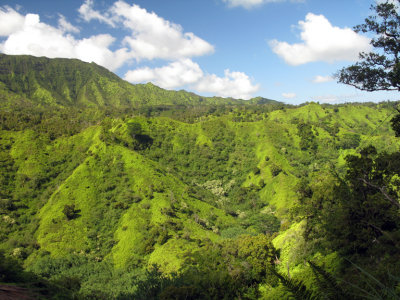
x: 70, y: 82
x: 202, y: 199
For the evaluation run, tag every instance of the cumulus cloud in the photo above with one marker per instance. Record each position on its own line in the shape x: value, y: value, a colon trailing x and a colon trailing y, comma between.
x: 233, y: 84
x: 175, y: 74
x: 188, y: 73
x: 10, y: 21
x: 248, y: 4
x: 152, y: 37
x: 39, y: 39
x: 87, y: 12
x: 322, y: 79
x: 289, y: 95
x: 66, y: 26
x: 321, y: 42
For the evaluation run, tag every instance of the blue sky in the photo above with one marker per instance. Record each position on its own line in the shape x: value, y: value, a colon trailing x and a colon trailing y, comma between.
x: 285, y: 50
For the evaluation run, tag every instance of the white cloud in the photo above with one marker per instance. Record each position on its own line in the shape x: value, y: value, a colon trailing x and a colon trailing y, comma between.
x: 66, y: 26
x: 39, y: 39
x: 321, y: 42
x: 96, y: 48
x: 289, y: 95
x: 322, y: 79
x: 188, y: 73
x: 234, y: 84
x: 87, y: 12
x: 10, y: 21
x: 152, y: 37
x: 248, y: 4
x: 176, y: 74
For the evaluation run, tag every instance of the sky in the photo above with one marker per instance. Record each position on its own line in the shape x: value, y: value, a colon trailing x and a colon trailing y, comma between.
x: 286, y: 50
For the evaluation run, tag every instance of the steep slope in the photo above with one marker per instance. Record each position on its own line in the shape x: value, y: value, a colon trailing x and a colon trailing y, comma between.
x: 268, y: 156
x: 125, y: 207
x: 70, y: 82
x: 93, y: 199
x: 135, y: 192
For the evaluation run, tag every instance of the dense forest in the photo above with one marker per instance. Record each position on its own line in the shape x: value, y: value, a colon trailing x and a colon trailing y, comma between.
x: 110, y: 190
x: 119, y: 191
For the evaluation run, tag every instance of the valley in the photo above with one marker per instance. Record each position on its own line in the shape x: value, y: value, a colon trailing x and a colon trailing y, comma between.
x: 113, y: 190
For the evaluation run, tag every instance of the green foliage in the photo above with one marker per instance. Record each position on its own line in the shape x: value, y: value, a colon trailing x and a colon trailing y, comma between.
x: 349, y: 141
x: 69, y: 211
x: 73, y: 83
x: 100, y: 179
x: 295, y: 287
x: 217, y: 271
x: 395, y: 121
x: 134, y: 129
x: 357, y: 216
x: 88, y: 279
x: 379, y: 70
x: 307, y: 136
x: 261, y: 223
x: 328, y: 286
x: 13, y: 273
x: 275, y: 169
x: 10, y: 269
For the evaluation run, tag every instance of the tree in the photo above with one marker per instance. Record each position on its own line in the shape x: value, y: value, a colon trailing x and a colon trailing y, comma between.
x: 134, y: 129
x: 69, y: 211
x: 378, y: 70
x: 356, y: 216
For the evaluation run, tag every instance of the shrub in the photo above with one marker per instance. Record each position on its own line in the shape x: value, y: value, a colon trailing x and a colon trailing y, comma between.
x: 69, y: 211
x: 275, y: 169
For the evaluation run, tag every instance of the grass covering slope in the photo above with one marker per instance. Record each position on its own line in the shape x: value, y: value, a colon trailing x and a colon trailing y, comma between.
x: 114, y: 192
x: 243, y: 168
x: 72, y: 83
x: 125, y: 206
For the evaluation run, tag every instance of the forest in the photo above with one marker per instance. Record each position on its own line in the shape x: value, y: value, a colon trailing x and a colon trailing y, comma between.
x: 110, y: 190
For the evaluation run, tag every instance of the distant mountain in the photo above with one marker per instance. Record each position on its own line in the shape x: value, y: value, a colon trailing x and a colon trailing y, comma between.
x: 71, y: 82
x: 261, y: 100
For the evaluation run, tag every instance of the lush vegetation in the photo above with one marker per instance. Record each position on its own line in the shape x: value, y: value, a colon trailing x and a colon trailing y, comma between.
x: 109, y: 190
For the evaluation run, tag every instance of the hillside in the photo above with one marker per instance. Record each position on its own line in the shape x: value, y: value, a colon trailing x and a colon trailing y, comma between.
x: 70, y: 82
x: 112, y: 204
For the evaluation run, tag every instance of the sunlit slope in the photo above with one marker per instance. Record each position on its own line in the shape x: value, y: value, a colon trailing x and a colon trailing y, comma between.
x: 64, y: 82
x: 126, y: 209
x: 145, y: 190
x: 267, y: 156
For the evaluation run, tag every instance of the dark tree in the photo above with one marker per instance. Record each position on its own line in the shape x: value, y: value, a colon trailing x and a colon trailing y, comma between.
x: 396, y: 124
x: 380, y: 69
x: 69, y: 211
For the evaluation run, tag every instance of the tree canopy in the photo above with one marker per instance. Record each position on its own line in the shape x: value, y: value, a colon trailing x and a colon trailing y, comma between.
x: 379, y: 69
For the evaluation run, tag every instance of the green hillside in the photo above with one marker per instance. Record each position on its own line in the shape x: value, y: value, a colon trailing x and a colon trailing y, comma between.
x: 209, y: 201
x: 69, y: 82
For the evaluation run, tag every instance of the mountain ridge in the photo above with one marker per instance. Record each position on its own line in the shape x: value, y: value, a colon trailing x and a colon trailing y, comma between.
x: 71, y: 82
